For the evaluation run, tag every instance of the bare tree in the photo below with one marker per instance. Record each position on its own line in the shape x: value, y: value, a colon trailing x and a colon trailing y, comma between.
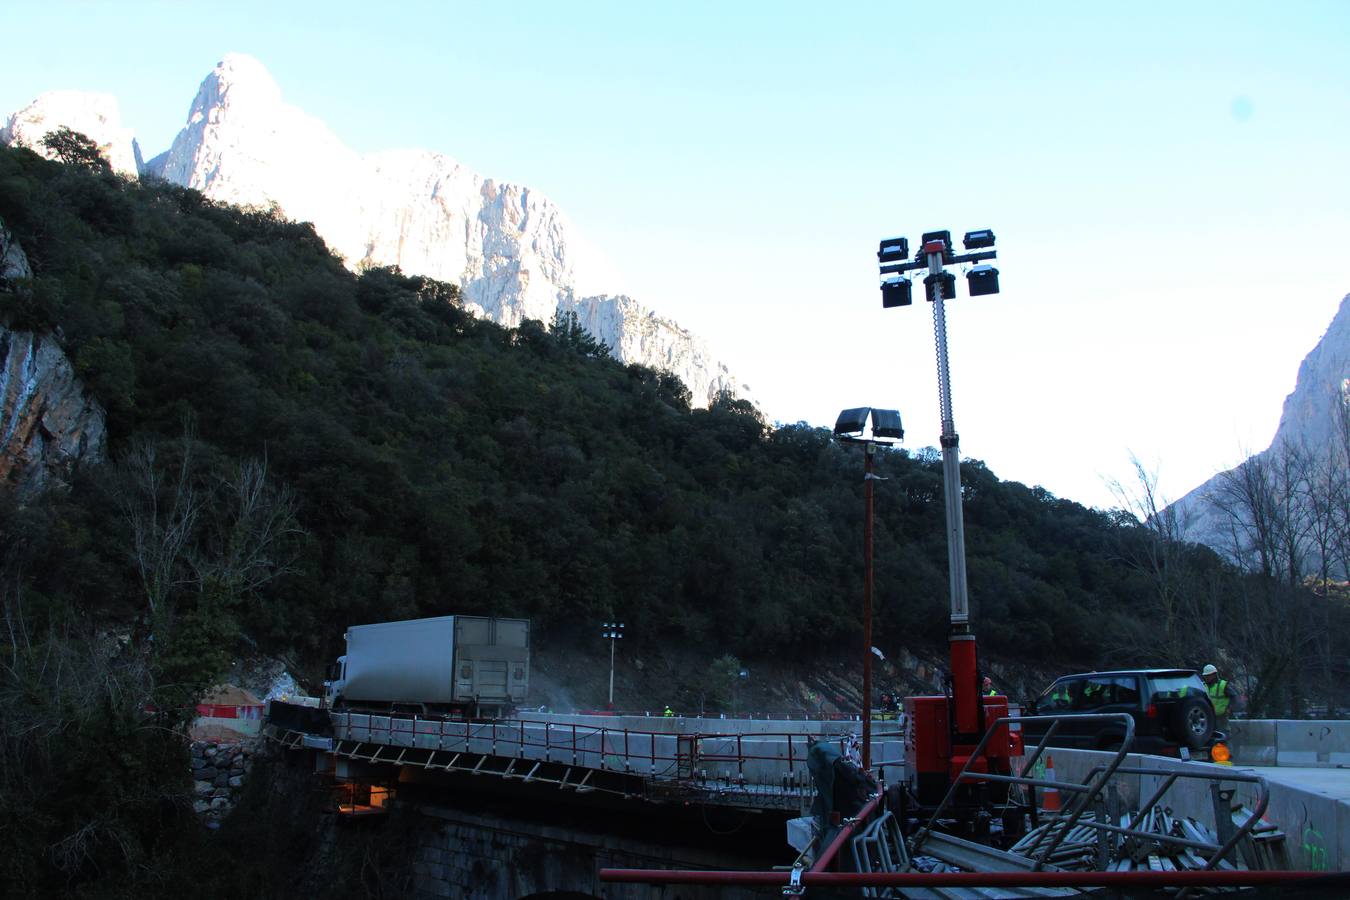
x: 1264, y: 501
x: 1158, y: 550
x: 161, y: 505
x: 250, y: 540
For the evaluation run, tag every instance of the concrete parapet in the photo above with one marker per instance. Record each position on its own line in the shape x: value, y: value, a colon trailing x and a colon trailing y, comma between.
x: 1290, y: 742
x: 1253, y: 741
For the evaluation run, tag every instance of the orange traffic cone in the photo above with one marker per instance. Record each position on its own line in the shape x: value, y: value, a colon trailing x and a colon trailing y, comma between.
x: 1050, y: 795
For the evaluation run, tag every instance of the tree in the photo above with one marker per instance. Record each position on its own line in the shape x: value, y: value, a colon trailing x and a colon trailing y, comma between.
x: 251, y: 540
x: 1266, y: 526
x: 1156, y: 548
x: 75, y: 149
x: 160, y: 504
x: 569, y: 334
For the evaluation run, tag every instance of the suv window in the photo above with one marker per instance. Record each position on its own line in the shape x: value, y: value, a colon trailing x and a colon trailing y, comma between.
x: 1107, y: 690
x: 1174, y: 687
x: 1060, y: 696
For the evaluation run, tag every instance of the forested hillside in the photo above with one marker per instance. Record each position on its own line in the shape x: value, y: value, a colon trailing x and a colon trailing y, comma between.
x: 295, y: 448
x: 441, y: 463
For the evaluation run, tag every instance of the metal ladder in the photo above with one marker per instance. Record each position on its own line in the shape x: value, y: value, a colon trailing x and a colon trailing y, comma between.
x: 880, y: 848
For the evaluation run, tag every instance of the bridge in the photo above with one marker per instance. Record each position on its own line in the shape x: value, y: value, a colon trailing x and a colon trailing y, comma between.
x: 647, y: 786
x: 760, y: 764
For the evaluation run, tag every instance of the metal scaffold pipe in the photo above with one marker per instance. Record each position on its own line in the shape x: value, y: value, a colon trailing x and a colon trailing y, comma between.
x: 1151, y: 879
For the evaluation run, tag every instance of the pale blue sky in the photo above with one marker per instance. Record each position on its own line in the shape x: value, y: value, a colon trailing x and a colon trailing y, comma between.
x: 1168, y: 184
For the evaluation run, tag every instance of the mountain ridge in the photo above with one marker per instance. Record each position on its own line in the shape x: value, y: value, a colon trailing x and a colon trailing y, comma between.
x: 512, y: 251
x: 1309, y: 419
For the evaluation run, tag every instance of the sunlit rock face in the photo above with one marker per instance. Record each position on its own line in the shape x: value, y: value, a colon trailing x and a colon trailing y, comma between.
x: 511, y: 250
x: 513, y: 253
x: 95, y: 116
x: 1311, y: 422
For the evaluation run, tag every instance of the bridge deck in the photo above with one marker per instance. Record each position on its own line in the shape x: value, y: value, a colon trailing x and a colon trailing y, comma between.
x: 750, y: 764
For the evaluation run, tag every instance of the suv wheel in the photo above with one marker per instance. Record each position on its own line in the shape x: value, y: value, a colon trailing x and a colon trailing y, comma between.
x: 1193, y: 722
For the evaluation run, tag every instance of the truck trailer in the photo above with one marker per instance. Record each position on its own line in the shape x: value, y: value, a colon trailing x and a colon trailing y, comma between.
x: 463, y: 666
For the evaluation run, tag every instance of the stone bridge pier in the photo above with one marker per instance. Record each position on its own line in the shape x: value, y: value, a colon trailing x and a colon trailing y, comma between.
x: 479, y: 856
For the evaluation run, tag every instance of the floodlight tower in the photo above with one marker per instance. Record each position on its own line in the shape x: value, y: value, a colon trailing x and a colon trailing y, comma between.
x: 966, y: 722
x: 614, y: 632
x: 886, y: 429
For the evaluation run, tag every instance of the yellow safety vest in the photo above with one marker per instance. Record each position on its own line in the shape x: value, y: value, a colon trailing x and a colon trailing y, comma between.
x: 1218, y: 695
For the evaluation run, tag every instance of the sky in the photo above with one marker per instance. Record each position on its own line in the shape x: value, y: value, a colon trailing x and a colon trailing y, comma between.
x: 1168, y: 184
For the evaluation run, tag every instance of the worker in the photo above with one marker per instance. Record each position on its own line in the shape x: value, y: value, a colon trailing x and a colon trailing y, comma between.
x: 1059, y: 698
x: 987, y: 687
x: 1221, y: 694
x: 669, y: 711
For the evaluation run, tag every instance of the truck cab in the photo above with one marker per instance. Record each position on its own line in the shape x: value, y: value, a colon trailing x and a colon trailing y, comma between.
x: 334, y: 681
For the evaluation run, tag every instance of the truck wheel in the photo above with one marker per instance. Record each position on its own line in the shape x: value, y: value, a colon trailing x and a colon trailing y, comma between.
x: 1193, y: 722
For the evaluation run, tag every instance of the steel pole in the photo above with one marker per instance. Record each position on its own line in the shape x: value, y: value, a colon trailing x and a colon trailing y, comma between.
x: 965, y: 687
x: 868, y: 450
x: 612, y: 641
x: 951, y: 458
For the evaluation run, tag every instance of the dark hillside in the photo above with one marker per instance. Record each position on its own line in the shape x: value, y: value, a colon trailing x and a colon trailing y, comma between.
x: 296, y: 448
x: 442, y: 463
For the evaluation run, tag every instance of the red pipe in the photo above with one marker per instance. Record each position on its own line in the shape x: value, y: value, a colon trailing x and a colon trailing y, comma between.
x: 844, y: 833
x: 868, y: 450
x: 1194, y: 878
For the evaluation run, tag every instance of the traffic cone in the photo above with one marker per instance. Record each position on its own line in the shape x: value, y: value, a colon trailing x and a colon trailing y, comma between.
x: 1050, y: 795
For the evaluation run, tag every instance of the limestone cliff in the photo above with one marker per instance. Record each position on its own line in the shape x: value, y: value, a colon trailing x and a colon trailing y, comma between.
x: 512, y: 251
x: 1310, y: 420
x: 96, y: 116
x: 48, y: 425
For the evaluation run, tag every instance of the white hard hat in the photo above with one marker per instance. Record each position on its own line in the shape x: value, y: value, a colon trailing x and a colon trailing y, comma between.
x: 1209, y: 670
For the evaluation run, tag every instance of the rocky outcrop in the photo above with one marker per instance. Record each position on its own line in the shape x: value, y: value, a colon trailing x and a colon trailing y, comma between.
x: 1310, y: 420
x: 13, y: 261
x: 96, y: 116
x: 635, y: 333
x: 512, y: 251
x: 48, y: 425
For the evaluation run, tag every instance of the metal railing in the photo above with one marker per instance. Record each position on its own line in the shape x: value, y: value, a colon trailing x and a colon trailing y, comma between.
x: 655, y: 754
x: 1086, y: 790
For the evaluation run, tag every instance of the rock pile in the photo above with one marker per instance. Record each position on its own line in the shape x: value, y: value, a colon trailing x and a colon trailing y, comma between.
x: 218, y: 772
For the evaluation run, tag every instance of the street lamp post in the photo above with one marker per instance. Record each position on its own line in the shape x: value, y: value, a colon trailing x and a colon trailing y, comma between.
x: 936, y: 253
x: 613, y: 631
x: 886, y: 429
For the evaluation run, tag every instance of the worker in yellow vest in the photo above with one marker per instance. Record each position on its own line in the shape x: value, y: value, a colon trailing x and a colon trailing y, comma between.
x: 1221, y: 695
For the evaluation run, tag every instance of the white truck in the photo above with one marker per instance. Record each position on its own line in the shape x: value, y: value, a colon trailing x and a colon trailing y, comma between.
x: 465, y: 666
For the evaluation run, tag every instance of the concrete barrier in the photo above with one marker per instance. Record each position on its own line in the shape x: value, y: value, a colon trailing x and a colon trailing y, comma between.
x: 1290, y: 742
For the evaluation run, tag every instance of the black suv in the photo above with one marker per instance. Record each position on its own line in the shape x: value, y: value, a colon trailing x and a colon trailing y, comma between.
x: 1170, y: 708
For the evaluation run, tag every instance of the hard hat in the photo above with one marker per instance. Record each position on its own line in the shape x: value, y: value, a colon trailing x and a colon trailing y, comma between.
x: 1209, y: 670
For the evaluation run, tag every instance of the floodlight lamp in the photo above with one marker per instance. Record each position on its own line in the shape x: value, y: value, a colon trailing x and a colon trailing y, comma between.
x: 944, y: 236
x: 852, y: 422
x: 931, y: 239
x: 886, y: 424
x: 893, y: 250
x: 982, y: 280
x: 976, y: 240
x: 896, y: 291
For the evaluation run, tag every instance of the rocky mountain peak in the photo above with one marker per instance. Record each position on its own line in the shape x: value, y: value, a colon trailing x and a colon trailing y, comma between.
x: 1309, y: 421
x: 511, y: 250
x: 94, y: 115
